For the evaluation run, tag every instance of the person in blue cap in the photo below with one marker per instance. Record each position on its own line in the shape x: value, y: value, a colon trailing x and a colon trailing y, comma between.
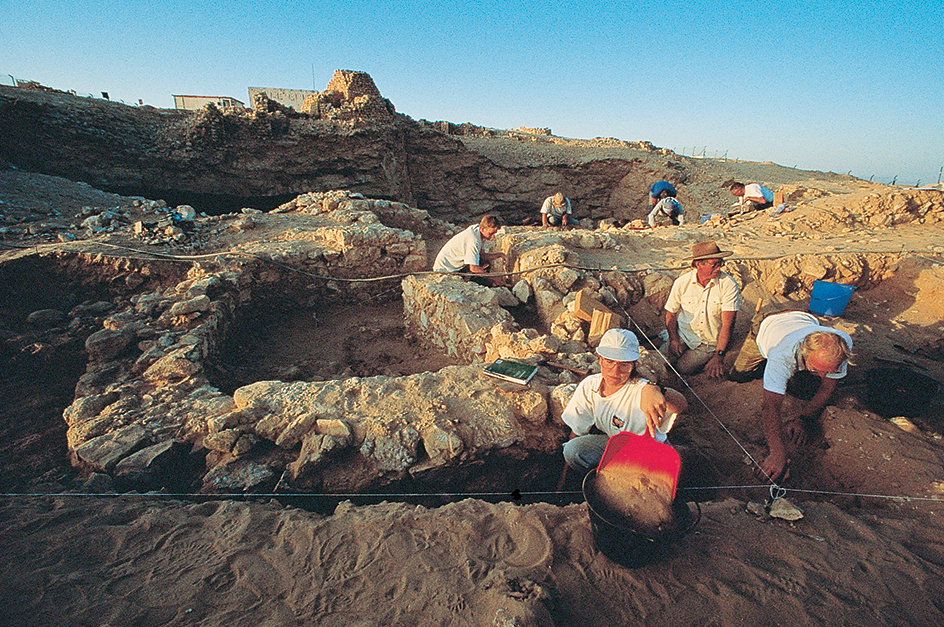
x: 660, y: 190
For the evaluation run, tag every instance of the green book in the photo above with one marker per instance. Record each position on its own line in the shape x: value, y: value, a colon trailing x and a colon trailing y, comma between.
x: 508, y: 370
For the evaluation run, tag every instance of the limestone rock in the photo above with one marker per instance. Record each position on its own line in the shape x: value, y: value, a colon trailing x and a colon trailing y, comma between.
x: 199, y: 304
x: 222, y: 441
x: 239, y: 476
x: 442, y: 445
x: 86, y: 407
x: 104, y: 452
x: 558, y: 399
x: 179, y: 364
x: 784, y: 509
x: 108, y: 343
x: 46, y: 318
x: 153, y: 465
x: 505, y: 297
x: 522, y: 291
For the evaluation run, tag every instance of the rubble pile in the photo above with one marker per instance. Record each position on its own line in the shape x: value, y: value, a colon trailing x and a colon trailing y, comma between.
x: 886, y: 208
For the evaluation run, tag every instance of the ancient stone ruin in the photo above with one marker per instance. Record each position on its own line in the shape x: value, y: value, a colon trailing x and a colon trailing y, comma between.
x: 349, y: 96
x: 153, y: 411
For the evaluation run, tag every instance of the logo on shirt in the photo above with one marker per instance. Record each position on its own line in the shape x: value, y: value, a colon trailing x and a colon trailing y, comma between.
x: 617, y: 422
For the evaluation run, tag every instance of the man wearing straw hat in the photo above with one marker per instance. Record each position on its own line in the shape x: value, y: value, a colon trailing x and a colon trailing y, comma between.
x: 616, y: 400
x: 799, y: 357
x: 700, y: 312
x: 556, y: 211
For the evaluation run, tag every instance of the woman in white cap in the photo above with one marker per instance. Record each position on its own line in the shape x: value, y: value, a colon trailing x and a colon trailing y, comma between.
x: 616, y: 400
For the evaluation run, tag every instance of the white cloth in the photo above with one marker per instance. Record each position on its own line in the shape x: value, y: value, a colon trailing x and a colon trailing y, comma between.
x: 558, y: 212
x: 667, y: 207
x: 460, y: 251
x: 617, y: 412
x: 755, y: 190
x: 778, y: 340
x: 699, y: 308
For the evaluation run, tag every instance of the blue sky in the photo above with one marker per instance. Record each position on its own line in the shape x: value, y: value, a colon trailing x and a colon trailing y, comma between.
x: 832, y: 86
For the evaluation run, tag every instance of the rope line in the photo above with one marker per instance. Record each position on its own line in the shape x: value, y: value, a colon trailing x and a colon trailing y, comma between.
x: 369, y: 495
x: 170, y: 257
x: 773, y: 484
x: 774, y: 489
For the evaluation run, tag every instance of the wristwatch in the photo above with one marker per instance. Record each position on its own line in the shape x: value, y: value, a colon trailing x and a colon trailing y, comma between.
x: 720, y: 353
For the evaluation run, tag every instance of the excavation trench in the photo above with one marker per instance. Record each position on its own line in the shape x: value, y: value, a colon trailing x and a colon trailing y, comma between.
x: 276, y: 337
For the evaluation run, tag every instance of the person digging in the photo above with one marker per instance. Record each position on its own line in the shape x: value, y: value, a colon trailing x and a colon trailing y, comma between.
x: 797, y: 356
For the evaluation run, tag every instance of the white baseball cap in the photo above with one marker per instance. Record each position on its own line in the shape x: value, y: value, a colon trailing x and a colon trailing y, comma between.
x: 619, y: 345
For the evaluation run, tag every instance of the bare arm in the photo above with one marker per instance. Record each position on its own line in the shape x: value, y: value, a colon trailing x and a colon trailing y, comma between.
x: 655, y: 405
x: 819, y: 400
x: 676, y: 347
x: 771, y: 413
x: 715, y: 366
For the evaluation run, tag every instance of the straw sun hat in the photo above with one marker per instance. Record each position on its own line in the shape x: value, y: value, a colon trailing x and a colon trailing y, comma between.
x: 708, y: 250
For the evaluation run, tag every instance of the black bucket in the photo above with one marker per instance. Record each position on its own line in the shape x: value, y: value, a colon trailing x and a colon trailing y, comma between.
x: 616, y: 537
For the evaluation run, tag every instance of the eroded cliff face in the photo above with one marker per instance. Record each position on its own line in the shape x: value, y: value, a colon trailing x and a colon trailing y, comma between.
x: 273, y: 152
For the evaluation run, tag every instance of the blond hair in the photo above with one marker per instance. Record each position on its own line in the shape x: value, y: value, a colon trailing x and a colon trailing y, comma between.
x: 829, y: 346
x: 491, y: 220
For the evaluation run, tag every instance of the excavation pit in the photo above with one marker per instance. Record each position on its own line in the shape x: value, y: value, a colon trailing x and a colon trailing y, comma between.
x: 262, y: 374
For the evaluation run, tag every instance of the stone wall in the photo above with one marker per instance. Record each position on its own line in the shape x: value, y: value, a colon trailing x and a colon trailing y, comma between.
x: 473, y: 323
x: 146, y: 402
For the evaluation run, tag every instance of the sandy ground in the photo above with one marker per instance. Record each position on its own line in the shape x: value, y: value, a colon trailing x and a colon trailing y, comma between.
x: 869, y: 549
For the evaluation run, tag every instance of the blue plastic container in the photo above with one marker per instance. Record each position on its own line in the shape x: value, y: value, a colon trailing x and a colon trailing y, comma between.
x: 829, y: 299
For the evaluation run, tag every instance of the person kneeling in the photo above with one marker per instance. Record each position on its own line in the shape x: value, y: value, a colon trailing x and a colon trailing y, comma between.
x: 616, y: 400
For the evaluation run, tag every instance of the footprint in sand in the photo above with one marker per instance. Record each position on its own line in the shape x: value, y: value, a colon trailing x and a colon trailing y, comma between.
x: 515, y: 539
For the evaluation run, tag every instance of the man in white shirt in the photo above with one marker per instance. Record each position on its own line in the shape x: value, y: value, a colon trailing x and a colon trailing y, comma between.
x: 463, y: 253
x: 700, y: 312
x: 790, y: 346
x: 670, y: 208
x: 752, y: 196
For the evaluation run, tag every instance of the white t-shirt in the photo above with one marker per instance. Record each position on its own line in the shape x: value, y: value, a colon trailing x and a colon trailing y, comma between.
x: 699, y: 308
x: 617, y: 412
x: 462, y: 250
x: 558, y: 212
x: 755, y: 190
x: 667, y: 206
x: 778, y: 339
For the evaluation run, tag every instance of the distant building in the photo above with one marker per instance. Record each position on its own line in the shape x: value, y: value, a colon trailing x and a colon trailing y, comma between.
x: 293, y: 98
x: 195, y: 103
